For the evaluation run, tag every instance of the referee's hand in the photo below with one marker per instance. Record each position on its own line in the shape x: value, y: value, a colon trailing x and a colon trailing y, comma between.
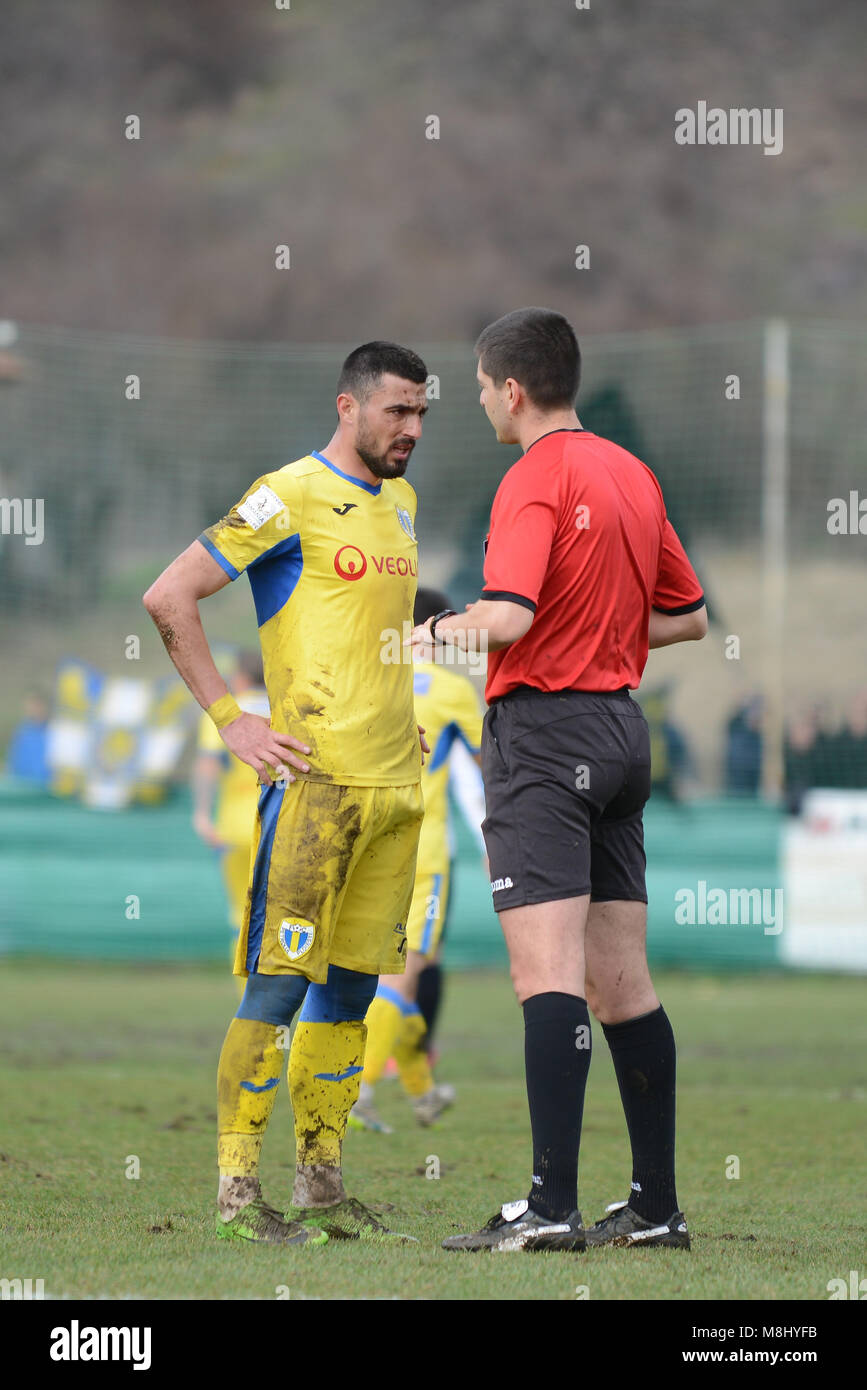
x: 251, y: 738
x: 421, y: 642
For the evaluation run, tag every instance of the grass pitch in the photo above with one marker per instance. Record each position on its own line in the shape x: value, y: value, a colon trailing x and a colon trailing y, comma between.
x: 109, y: 1070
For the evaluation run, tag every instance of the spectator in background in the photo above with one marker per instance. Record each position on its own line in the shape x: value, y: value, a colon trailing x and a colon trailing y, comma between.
x: 671, y: 763
x: 800, y: 758
x: 848, y: 748
x: 743, y: 759
x: 27, y: 754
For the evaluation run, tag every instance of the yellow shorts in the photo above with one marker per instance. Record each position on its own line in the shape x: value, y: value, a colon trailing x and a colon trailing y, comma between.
x: 331, y: 880
x: 427, y: 913
x: 235, y: 865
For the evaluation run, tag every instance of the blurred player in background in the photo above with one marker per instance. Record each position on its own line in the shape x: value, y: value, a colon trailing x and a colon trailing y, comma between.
x: 329, y: 545
x: 226, y: 791
x: 447, y: 707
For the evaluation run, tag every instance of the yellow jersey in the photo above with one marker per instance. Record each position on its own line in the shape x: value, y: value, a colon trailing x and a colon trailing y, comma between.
x: 332, y: 563
x: 447, y: 708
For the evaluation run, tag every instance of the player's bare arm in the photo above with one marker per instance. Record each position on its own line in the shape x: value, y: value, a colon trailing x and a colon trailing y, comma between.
x: 667, y: 628
x: 173, y: 603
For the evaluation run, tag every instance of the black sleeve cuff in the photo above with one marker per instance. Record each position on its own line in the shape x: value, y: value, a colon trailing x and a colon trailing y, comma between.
x: 503, y: 596
x: 678, y: 612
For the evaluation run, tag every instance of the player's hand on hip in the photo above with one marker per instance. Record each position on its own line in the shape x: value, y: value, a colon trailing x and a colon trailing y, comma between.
x: 425, y: 746
x: 269, y: 753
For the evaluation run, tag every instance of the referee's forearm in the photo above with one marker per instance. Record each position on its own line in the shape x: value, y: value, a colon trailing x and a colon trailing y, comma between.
x: 664, y: 629
x: 488, y: 625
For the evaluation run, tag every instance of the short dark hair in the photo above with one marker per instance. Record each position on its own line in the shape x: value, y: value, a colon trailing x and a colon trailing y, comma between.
x: 538, y: 348
x: 427, y: 603
x: 365, y: 367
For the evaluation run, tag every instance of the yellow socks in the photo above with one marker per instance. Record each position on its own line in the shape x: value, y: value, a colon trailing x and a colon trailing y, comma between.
x: 396, y: 1028
x: 412, y: 1060
x: 384, y: 1021
x: 247, y: 1078
x: 325, y: 1065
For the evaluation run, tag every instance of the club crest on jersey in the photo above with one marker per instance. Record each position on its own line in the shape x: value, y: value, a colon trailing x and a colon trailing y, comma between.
x: 296, y: 938
x: 405, y: 520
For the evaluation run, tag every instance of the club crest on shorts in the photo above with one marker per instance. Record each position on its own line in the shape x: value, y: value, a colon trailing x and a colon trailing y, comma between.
x: 296, y: 938
x: 405, y: 520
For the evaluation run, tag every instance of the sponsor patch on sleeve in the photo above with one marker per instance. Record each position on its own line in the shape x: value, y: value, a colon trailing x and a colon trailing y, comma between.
x: 260, y: 506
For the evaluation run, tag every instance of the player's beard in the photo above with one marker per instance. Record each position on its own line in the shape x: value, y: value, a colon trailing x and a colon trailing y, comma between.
x: 379, y: 464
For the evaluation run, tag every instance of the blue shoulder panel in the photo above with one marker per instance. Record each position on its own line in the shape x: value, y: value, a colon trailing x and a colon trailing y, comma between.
x: 273, y: 577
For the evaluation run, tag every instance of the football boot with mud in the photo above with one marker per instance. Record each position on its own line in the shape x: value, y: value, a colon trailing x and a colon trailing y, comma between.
x: 517, y: 1227
x: 263, y: 1225
x: 428, y: 1108
x: 348, y: 1220
x: 621, y: 1226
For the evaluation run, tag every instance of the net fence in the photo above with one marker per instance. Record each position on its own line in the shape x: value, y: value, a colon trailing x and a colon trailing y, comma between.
x: 115, y: 452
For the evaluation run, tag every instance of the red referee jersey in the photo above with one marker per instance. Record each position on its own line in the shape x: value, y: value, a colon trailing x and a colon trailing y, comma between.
x: 580, y: 536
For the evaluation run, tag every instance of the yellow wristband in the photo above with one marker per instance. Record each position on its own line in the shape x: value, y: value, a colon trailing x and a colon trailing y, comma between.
x: 224, y: 711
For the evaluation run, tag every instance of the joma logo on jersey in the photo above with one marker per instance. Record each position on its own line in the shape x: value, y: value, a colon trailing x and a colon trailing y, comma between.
x: 296, y: 938
x: 351, y: 563
x: 498, y: 884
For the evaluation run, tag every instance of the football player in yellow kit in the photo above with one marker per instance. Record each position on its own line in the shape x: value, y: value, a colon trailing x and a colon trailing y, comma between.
x: 328, y: 543
x: 447, y: 706
x: 226, y: 790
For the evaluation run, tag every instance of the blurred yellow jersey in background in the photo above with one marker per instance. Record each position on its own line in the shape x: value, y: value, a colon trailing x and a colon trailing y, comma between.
x: 238, y: 788
x: 447, y: 708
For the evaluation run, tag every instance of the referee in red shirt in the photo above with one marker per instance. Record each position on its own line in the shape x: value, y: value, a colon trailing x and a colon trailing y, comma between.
x: 583, y: 573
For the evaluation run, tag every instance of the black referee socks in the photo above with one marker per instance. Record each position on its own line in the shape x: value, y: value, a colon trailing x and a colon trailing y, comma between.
x: 644, y: 1057
x: 557, y: 1049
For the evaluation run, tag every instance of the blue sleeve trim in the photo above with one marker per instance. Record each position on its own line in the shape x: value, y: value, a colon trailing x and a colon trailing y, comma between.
x: 220, y: 559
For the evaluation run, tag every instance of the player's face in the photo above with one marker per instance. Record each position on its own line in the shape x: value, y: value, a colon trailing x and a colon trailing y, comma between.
x: 493, y: 402
x: 389, y: 426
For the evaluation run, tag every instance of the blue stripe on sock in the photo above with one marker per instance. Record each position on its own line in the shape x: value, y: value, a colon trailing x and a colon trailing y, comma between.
x: 337, y: 1075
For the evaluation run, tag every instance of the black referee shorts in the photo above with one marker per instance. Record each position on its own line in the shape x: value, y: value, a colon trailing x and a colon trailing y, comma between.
x: 567, y: 775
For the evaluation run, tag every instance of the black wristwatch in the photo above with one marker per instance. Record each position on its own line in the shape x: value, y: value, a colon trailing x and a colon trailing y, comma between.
x: 446, y: 613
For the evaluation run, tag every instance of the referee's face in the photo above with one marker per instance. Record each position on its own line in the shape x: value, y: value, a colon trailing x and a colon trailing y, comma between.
x: 493, y: 402
x: 389, y: 426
